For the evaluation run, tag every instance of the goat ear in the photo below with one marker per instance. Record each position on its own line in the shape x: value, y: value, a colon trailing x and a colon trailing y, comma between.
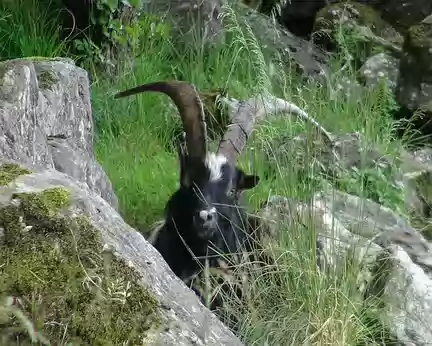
x: 246, y: 181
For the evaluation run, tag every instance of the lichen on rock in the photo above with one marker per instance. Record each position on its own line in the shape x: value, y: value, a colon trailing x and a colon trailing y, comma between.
x: 418, y: 43
x: 46, y: 79
x: 352, y: 18
x: 82, y: 294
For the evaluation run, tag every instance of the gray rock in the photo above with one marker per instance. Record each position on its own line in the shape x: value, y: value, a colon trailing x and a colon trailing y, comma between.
x: 295, y: 52
x: 406, y: 291
x: 200, y: 17
x: 380, y: 67
x: 395, y: 260
x: 414, y: 89
x: 46, y: 120
x: 185, y: 320
x: 375, y: 222
x: 407, y: 298
x: 401, y: 14
x: 417, y: 168
x: 366, y: 27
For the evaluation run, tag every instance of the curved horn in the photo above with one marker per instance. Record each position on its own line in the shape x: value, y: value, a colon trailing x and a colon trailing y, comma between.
x: 248, y: 112
x: 236, y: 136
x: 190, y: 107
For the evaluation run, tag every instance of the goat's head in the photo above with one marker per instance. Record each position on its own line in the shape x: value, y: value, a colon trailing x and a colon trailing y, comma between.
x: 213, y: 188
x: 210, y: 183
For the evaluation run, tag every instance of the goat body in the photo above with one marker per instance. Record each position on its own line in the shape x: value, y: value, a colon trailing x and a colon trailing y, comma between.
x: 205, y: 217
x: 206, y: 220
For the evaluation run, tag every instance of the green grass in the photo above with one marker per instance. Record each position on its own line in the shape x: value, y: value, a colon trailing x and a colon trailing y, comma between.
x: 289, y: 303
x: 34, y: 31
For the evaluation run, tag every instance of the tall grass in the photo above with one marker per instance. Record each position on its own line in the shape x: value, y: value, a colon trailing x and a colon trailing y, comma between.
x: 290, y: 303
x: 30, y: 28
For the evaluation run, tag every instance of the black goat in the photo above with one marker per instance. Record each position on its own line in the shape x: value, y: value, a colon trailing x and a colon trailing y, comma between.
x: 205, y: 217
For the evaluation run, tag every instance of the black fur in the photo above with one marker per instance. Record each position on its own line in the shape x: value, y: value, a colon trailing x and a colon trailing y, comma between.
x: 181, y: 235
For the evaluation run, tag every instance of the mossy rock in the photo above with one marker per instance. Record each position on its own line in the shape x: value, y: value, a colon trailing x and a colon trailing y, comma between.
x: 10, y: 171
x: 414, y: 89
x: 418, y: 44
x: 255, y: 4
x: 56, y: 274
x: 346, y: 18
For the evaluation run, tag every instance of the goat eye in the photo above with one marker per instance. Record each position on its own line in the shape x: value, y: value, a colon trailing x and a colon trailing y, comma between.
x: 231, y: 192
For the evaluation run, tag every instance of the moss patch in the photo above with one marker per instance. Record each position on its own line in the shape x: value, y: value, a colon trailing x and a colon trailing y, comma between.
x: 346, y: 18
x: 47, y: 79
x: 45, y: 203
x: 420, y: 35
x: 355, y: 13
x: 418, y: 45
x: 10, y: 171
x: 67, y: 286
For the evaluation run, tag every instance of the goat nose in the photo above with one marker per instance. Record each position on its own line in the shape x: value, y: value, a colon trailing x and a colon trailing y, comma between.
x: 207, y: 215
x: 203, y: 215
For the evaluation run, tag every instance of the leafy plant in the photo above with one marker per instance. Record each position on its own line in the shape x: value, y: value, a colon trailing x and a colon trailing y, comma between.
x: 120, y: 30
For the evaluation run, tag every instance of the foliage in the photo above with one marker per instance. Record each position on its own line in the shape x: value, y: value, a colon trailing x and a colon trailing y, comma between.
x: 125, y: 32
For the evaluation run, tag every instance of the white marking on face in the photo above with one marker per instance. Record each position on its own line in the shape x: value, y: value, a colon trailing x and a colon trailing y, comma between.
x: 204, y: 214
x: 214, y: 163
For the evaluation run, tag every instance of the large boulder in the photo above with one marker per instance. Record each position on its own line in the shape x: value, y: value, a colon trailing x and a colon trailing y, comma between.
x: 299, y: 15
x: 362, y: 27
x: 296, y: 53
x: 72, y: 270
x: 414, y: 88
x: 402, y: 14
x: 90, y: 270
x: 379, y: 68
x: 200, y: 16
x: 395, y: 261
x: 46, y: 120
